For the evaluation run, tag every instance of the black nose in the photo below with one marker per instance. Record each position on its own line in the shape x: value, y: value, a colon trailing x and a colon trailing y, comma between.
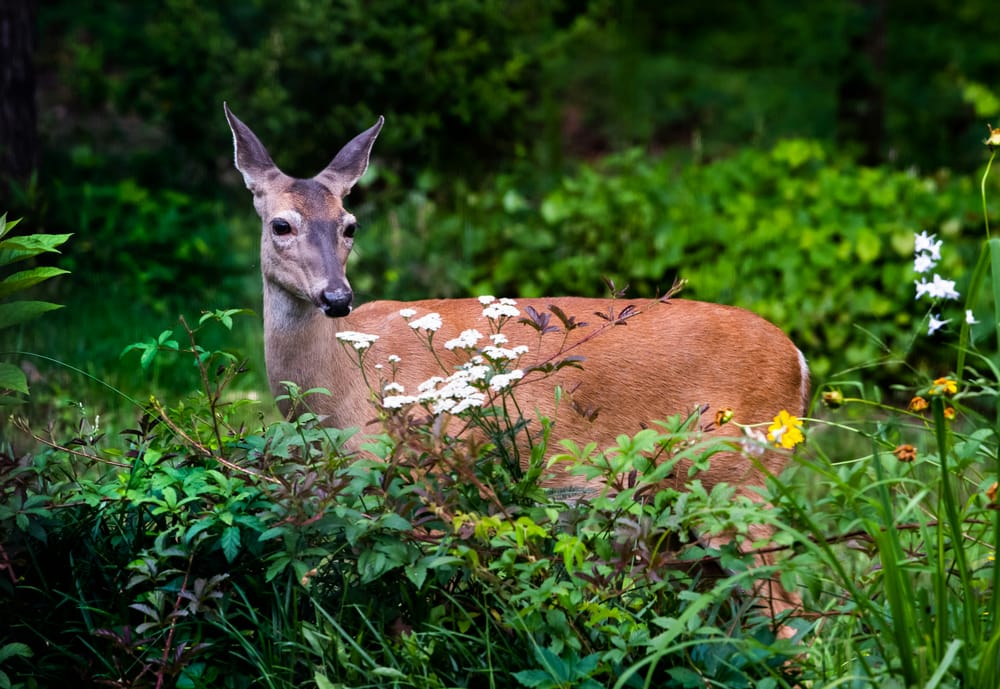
x: 337, y: 302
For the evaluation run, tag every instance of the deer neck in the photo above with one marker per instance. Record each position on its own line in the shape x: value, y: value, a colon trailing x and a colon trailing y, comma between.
x: 301, y: 346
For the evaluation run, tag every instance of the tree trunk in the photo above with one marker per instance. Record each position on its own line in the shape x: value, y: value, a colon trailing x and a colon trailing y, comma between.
x: 18, y: 135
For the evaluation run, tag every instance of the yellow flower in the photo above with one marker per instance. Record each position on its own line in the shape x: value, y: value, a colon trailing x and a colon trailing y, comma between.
x: 944, y: 386
x: 918, y: 403
x: 949, y: 413
x: 785, y: 431
x: 723, y: 416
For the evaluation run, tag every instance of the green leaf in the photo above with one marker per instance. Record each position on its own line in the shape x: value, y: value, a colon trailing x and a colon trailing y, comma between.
x: 277, y: 567
x: 323, y: 683
x: 231, y: 542
x: 20, y: 311
x: 12, y: 378
x: 15, y: 649
x: 19, y: 248
x: 5, y: 226
x: 685, y: 677
x: 27, y: 278
x: 273, y: 532
x: 532, y: 678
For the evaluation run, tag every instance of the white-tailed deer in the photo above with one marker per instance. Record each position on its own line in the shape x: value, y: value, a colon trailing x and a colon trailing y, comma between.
x: 670, y: 359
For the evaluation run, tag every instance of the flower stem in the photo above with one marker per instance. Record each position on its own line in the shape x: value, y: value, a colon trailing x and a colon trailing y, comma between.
x: 982, y: 191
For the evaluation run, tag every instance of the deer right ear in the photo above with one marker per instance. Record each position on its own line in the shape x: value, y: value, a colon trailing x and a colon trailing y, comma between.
x: 252, y: 159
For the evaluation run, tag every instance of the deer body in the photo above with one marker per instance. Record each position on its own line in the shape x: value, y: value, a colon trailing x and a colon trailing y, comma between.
x: 666, y: 360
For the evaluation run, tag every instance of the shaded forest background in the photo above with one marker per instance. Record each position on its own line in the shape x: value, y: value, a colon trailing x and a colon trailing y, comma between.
x: 781, y: 155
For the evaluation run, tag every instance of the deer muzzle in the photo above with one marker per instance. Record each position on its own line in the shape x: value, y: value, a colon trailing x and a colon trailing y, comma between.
x: 336, y: 303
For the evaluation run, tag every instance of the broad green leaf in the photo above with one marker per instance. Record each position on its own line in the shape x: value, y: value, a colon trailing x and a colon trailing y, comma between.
x: 12, y: 378
x: 20, y: 311
x: 231, y: 542
x: 14, y: 649
x: 19, y: 248
x: 27, y: 278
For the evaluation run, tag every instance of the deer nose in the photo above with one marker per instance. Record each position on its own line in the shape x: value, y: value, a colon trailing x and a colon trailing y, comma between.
x: 336, y: 302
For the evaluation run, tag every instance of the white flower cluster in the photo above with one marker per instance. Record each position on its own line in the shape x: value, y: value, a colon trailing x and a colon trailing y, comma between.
x: 464, y: 389
x: 926, y: 254
x: 360, y: 341
x: 485, y: 371
x: 496, y: 309
x: 430, y: 322
x: 466, y: 340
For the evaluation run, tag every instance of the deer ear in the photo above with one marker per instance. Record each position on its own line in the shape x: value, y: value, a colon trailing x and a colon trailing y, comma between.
x: 351, y: 162
x: 252, y: 159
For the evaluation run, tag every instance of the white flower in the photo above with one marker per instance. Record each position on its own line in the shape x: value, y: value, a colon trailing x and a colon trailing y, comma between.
x: 498, y: 338
x: 924, y: 243
x: 393, y: 359
x: 467, y: 340
x: 939, y: 288
x: 474, y: 372
x: 936, y: 324
x: 499, y: 353
x: 487, y: 299
x: 503, y: 380
x: 393, y: 387
x: 754, y: 441
x: 969, y: 317
x: 504, y: 353
x: 360, y: 341
x: 474, y: 400
x: 407, y: 313
x: 922, y: 263
x: 443, y: 405
x: 397, y: 401
x: 501, y: 309
x: 430, y: 383
x: 430, y: 322
x: 456, y: 393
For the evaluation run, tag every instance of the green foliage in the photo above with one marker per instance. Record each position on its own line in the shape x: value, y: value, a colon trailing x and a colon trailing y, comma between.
x: 12, y: 250
x: 166, y: 246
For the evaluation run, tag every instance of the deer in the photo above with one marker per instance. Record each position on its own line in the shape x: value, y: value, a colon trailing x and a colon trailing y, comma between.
x: 676, y: 356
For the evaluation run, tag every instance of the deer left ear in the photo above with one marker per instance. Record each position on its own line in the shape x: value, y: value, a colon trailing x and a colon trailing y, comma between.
x: 350, y: 163
x: 252, y: 159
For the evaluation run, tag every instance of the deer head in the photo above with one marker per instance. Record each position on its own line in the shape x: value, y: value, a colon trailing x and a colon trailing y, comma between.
x: 307, y: 232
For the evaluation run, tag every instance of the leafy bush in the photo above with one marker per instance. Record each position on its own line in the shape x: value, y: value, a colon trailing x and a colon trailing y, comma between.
x: 162, y: 247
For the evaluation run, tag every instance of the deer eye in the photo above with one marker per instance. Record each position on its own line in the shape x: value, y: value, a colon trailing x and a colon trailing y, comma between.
x: 280, y: 226
x: 350, y: 229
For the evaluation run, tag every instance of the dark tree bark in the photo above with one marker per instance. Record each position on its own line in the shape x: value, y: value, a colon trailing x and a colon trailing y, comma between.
x: 18, y: 114
x: 860, y: 98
